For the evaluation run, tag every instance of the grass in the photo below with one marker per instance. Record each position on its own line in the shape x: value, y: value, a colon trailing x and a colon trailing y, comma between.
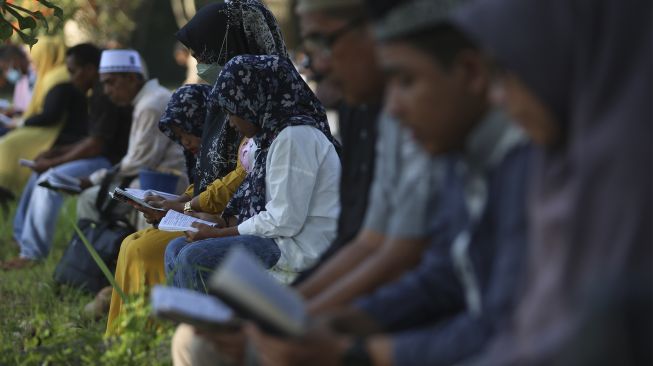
x: 41, y: 323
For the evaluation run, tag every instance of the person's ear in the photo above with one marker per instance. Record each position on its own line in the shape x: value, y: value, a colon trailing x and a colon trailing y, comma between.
x: 475, y: 71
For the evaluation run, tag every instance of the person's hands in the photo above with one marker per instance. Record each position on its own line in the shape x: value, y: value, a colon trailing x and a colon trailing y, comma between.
x: 208, y: 217
x: 43, y: 164
x: 85, y: 183
x: 48, y: 154
x: 319, y: 347
x: 159, y: 202
x: 230, y: 343
x: 206, y: 232
x: 152, y: 217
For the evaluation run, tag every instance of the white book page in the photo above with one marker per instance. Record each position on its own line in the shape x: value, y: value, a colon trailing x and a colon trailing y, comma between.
x: 123, y: 195
x: 189, y: 304
x: 140, y: 193
x: 243, y: 278
x: 175, y: 221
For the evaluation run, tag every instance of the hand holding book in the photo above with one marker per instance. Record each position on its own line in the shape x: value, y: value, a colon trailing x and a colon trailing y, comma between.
x: 206, y: 232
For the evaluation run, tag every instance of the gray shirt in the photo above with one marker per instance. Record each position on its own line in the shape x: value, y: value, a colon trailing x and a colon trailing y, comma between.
x: 404, y: 186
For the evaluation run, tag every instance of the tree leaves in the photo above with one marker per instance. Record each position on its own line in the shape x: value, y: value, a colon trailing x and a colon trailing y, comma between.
x: 26, y: 23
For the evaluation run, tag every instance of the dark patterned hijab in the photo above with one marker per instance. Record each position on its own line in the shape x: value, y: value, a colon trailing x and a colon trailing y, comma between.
x: 220, y: 31
x: 186, y: 110
x: 268, y: 92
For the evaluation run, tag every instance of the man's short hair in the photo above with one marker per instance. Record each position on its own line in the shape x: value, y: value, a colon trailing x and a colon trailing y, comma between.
x: 12, y: 51
x: 444, y: 42
x: 85, y: 54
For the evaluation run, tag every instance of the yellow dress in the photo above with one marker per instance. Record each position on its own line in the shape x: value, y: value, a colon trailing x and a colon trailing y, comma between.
x: 141, y: 259
x: 48, y: 57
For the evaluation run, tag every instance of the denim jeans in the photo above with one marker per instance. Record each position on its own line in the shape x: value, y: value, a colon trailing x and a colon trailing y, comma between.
x: 38, y: 209
x: 191, y: 264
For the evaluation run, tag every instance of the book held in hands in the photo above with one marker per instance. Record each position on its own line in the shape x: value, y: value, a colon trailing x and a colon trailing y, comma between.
x: 243, y: 284
x: 175, y: 221
x: 137, y: 197
x: 191, y: 307
x: 55, y: 180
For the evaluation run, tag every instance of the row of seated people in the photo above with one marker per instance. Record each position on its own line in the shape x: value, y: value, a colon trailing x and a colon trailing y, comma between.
x: 410, y: 241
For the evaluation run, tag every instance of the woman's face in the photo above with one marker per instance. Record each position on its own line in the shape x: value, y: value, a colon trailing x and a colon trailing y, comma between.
x: 190, y: 142
x: 247, y: 129
x: 525, y: 108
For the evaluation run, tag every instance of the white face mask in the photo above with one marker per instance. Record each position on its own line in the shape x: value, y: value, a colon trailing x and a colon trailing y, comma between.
x: 209, y: 72
x: 12, y: 75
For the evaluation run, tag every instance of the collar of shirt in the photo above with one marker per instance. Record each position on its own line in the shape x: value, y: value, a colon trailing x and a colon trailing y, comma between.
x: 491, y: 140
x: 147, y: 88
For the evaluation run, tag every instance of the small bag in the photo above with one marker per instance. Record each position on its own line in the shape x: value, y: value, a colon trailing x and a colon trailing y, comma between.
x: 77, y: 267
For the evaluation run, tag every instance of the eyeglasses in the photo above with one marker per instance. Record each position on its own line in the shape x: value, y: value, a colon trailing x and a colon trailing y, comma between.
x: 317, y: 44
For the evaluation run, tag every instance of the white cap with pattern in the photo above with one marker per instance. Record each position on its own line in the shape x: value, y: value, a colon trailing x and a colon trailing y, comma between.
x: 120, y: 61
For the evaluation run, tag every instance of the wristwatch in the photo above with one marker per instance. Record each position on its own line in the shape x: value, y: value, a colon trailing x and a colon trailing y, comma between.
x: 356, y: 354
x: 188, y: 207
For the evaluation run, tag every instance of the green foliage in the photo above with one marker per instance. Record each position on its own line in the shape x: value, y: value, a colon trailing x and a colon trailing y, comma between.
x: 41, y: 323
x: 26, y: 23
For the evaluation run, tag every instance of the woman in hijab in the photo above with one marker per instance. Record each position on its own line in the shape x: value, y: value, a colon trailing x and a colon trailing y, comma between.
x: 140, y: 261
x: 49, y: 60
x: 583, y: 92
x: 286, y: 210
x: 217, y: 33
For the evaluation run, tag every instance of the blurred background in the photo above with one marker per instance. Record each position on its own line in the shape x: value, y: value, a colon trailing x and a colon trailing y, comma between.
x: 145, y: 25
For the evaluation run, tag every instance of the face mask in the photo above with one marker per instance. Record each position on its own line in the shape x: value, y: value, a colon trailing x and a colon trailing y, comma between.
x: 209, y: 72
x: 12, y: 75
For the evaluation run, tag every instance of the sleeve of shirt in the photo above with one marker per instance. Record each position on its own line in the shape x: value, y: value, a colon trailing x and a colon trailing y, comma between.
x: 429, y: 292
x: 147, y: 145
x: 189, y: 191
x: 379, y: 207
x: 443, y: 343
x: 415, y: 192
x: 290, y: 179
x: 54, y: 106
x: 216, y: 196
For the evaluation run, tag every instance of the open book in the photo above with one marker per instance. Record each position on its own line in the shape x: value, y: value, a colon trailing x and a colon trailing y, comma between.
x: 134, y: 197
x: 175, y: 221
x: 58, y: 181
x: 140, y: 193
x: 243, y: 284
x: 192, y: 307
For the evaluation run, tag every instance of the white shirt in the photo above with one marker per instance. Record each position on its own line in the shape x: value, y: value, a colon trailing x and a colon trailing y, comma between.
x: 148, y: 146
x: 301, y: 213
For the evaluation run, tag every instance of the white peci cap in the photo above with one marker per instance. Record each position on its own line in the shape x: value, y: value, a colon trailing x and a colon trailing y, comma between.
x: 120, y: 61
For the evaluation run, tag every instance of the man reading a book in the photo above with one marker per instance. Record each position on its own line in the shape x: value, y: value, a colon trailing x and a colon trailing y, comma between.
x: 438, y: 87
x: 122, y: 76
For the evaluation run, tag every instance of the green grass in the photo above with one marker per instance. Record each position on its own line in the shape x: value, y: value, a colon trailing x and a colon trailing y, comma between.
x: 41, y: 323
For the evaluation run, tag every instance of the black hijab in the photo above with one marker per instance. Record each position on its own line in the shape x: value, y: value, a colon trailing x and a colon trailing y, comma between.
x: 238, y: 27
x: 249, y: 28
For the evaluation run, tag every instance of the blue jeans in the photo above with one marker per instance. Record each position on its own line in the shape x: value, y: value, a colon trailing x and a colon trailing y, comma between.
x: 38, y: 209
x: 191, y: 264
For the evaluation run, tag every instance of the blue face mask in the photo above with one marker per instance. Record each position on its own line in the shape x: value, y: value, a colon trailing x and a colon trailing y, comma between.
x: 209, y: 72
x: 12, y: 75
